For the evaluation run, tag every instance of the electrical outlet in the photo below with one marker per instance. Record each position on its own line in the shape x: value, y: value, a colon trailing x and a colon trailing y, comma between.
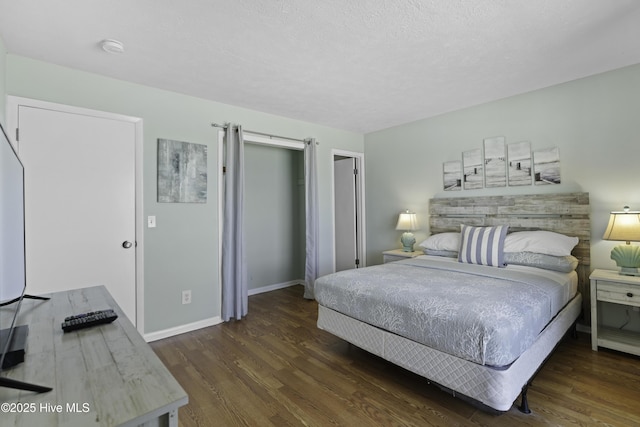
x: 186, y: 297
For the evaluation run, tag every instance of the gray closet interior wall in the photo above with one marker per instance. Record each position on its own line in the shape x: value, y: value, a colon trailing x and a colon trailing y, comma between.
x: 274, y: 215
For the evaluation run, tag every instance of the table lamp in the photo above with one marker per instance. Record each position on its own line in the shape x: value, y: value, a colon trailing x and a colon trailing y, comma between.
x: 625, y: 226
x: 407, y: 222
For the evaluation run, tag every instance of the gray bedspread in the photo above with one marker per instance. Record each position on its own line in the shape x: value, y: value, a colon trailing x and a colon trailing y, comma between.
x: 486, y: 315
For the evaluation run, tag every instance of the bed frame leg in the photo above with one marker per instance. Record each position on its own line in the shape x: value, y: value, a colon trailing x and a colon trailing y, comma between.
x: 524, y: 404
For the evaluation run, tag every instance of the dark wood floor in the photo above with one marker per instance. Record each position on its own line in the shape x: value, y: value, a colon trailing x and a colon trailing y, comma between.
x: 275, y: 367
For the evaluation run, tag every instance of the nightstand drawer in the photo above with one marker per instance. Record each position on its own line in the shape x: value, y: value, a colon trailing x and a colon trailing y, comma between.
x: 391, y: 258
x: 618, y: 293
x: 398, y: 255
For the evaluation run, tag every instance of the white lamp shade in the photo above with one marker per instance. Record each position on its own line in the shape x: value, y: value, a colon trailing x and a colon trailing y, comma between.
x: 623, y: 226
x: 407, y: 221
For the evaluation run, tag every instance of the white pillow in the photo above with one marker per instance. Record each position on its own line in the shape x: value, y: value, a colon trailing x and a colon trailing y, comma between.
x: 442, y: 242
x: 541, y: 242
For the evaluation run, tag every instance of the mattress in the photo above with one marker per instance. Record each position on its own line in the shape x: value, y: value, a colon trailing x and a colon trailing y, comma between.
x: 485, y: 315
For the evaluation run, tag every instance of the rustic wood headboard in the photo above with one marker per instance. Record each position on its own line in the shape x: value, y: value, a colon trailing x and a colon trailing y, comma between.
x: 565, y: 213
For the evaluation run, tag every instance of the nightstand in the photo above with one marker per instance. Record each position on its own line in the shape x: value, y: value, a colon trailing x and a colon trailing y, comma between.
x: 398, y: 254
x: 609, y: 286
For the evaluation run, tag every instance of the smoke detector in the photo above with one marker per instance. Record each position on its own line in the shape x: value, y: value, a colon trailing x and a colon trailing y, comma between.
x: 112, y: 46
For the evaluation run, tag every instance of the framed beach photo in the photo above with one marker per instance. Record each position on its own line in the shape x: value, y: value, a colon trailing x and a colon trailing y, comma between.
x: 472, y: 167
x: 520, y: 166
x: 452, y: 175
x: 495, y: 162
x: 546, y: 166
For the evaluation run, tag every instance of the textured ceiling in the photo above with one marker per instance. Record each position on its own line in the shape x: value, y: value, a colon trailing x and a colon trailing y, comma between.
x: 360, y: 65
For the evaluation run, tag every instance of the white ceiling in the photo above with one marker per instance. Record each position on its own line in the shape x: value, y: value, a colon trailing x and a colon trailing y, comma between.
x: 360, y: 65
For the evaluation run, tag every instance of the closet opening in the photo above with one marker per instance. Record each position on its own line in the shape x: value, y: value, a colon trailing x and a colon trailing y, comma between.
x: 274, y: 217
x: 274, y: 206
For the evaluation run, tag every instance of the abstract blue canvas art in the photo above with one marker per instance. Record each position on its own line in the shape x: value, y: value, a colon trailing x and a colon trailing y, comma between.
x: 182, y: 172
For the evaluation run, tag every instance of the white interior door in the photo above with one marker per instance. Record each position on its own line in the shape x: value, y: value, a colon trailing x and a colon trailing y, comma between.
x: 80, y: 203
x: 345, y: 213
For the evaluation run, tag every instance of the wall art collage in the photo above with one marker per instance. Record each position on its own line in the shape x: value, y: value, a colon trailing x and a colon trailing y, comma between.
x: 498, y: 164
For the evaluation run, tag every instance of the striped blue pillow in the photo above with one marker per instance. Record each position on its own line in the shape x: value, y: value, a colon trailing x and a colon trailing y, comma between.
x: 482, y: 245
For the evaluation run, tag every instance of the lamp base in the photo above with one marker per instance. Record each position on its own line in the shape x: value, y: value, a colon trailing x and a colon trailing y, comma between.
x: 627, y: 257
x: 629, y: 271
x: 407, y: 241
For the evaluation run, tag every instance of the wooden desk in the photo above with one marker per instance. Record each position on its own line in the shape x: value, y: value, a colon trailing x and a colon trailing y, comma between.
x: 105, y: 375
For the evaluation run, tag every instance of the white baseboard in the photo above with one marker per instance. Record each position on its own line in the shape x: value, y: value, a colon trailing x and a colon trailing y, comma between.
x: 275, y: 287
x: 166, y: 333
x: 583, y: 328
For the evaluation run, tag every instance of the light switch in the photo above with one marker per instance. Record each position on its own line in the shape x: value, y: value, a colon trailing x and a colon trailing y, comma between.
x: 151, y: 221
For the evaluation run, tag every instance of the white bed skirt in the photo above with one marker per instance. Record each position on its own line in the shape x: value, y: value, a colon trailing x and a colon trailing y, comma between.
x: 495, y: 388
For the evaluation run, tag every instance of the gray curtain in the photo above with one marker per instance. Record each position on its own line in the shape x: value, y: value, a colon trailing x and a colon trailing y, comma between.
x: 235, y: 299
x: 311, y: 207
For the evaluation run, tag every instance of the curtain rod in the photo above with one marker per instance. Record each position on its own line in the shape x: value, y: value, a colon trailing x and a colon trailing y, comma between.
x: 225, y: 126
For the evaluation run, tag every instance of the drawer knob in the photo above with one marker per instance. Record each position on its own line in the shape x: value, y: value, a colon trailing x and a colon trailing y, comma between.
x: 629, y: 294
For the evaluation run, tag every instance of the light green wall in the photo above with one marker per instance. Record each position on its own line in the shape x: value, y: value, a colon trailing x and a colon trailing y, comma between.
x: 594, y: 121
x: 274, y: 196
x: 182, y: 252
x: 3, y: 90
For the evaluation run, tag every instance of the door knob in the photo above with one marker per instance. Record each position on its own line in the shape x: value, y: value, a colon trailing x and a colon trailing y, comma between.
x: 126, y: 244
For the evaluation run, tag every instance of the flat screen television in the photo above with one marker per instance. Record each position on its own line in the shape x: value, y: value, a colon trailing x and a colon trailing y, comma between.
x: 13, y: 281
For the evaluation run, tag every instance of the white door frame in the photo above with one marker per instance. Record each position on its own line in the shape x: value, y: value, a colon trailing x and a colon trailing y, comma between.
x: 220, y: 214
x: 362, y: 239
x: 13, y: 102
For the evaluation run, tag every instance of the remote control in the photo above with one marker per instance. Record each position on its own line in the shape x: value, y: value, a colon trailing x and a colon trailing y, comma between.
x: 91, y: 313
x: 85, y: 320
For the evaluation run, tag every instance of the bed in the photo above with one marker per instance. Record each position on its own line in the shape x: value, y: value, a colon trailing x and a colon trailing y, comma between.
x: 478, y: 331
